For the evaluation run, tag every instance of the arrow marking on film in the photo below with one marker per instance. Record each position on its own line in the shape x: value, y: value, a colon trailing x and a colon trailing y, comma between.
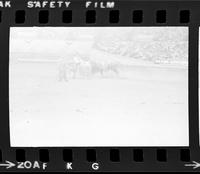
x: 8, y: 165
x: 194, y: 165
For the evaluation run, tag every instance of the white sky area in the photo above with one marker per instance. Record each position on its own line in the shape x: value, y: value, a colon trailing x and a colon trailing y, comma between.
x: 98, y: 86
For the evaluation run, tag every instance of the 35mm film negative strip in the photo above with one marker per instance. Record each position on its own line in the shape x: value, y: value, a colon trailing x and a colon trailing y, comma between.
x: 99, y: 85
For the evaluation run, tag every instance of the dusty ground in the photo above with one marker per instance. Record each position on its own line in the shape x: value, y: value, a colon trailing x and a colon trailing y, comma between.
x: 142, y: 106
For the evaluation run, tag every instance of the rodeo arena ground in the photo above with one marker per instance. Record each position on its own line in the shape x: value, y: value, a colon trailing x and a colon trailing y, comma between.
x: 103, y: 88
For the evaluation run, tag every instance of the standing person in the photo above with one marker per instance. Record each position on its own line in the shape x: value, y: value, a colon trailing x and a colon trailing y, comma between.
x: 62, y: 70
